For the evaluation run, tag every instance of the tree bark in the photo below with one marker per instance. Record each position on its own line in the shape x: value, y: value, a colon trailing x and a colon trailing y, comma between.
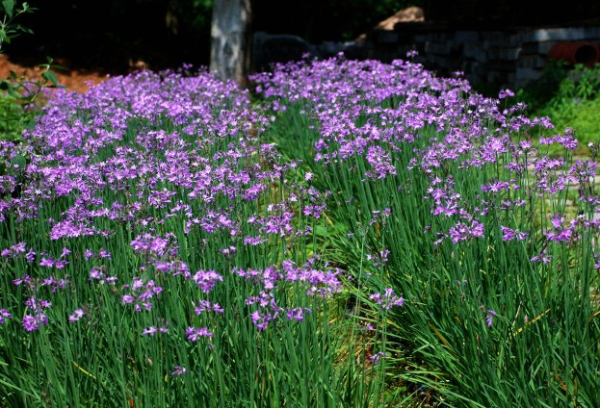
x: 230, y: 39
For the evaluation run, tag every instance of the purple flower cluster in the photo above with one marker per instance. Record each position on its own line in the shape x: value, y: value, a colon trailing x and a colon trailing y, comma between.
x: 194, y: 334
x: 36, y: 315
x: 138, y: 180
x: 207, y: 279
x: 462, y: 231
x: 387, y: 299
x: 162, y: 183
x: 314, y: 282
x: 141, y: 294
x: 376, y: 111
x: 154, y: 246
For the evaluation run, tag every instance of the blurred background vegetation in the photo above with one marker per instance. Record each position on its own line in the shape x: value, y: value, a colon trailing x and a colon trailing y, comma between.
x: 570, y: 96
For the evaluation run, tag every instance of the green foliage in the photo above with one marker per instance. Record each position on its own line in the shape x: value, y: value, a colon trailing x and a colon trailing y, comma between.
x: 8, y: 28
x: 197, y: 14
x: 18, y: 94
x: 539, y: 93
x: 569, y: 96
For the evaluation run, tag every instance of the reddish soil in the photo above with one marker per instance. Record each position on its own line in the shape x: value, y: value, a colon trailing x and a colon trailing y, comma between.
x: 74, y: 79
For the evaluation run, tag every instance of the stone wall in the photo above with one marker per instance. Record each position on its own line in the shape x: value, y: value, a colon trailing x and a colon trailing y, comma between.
x: 510, y: 58
x: 500, y: 59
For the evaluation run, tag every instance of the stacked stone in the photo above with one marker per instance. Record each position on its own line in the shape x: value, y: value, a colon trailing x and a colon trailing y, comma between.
x: 510, y: 58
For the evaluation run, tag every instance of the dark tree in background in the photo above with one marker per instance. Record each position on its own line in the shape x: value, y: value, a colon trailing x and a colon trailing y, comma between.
x: 231, y: 39
x: 316, y: 20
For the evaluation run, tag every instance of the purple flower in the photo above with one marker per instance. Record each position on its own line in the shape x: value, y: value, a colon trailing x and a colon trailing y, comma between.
x: 88, y: 254
x: 47, y: 262
x: 4, y: 315
x: 30, y: 256
x: 20, y: 281
x: 206, y: 306
x: 60, y: 264
x: 18, y: 248
x: 505, y: 94
x: 111, y: 280
x: 261, y: 319
x: 178, y: 371
x: 77, y: 314
x: 509, y: 234
x: 495, y: 187
x: 32, y: 322
x: 378, y: 356
x: 96, y: 273
x: 127, y: 299
x: 462, y: 232
x: 256, y: 317
x: 489, y: 319
x: 36, y: 304
x: 207, y: 279
x: 194, y: 334
x: 297, y: 314
x: 387, y: 299
x: 255, y: 241
x: 542, y: 257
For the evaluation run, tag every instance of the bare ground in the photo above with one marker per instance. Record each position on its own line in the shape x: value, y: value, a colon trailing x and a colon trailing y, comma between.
x: 72, y: 78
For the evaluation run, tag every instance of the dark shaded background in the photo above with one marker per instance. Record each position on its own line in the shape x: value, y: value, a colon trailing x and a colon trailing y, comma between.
x: 115, y: 34
x: 506, y: 14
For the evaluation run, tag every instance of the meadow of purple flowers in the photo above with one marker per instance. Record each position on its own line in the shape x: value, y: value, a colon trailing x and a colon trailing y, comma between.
x: 472, y: 212
x: 364, y: 234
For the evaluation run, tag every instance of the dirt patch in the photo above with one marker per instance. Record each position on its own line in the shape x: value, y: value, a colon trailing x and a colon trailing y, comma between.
x: 72, y: 78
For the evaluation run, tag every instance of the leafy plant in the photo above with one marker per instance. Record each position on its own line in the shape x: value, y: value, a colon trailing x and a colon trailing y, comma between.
x: 19, y: 94
x: 569, y: 96
x: 8, y: 28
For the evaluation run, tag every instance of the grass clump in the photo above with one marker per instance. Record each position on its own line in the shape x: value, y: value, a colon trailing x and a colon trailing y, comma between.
x: 20, y: 97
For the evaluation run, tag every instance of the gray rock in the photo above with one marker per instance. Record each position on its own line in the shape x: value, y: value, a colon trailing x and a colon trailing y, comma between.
x: 504, y: 53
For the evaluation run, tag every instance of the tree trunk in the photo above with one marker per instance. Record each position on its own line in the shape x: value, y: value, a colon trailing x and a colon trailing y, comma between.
x: 230, y: 39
